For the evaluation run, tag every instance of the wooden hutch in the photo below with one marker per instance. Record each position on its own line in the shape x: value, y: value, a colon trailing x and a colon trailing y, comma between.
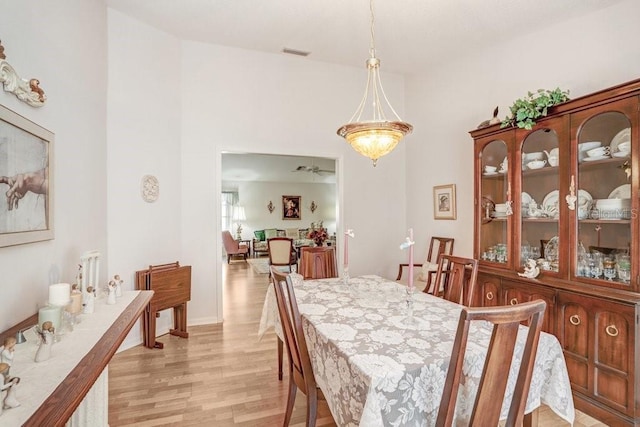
x: 579, y: 214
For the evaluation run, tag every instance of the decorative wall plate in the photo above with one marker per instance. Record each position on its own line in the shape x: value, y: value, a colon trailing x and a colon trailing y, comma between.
x: 150, y: 188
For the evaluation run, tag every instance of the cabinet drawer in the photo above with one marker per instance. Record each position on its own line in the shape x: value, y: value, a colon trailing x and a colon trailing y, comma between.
x: 487, y: 293
x: 516, y: 293
x: 598, y: 340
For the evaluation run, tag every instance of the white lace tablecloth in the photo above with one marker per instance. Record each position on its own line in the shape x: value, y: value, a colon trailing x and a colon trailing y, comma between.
x: 375, y: 369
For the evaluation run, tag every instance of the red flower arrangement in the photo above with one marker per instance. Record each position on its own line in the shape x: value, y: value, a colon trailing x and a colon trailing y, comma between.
x: 318, y: 233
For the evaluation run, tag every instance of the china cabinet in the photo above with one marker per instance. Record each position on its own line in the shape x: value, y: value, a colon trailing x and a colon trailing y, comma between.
x: 565, y: 193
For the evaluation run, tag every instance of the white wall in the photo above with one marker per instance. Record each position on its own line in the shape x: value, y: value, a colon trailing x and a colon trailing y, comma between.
x: 255, y: 197
x: 143, y: 139
x: 244, y: 101
x: 583, y: 55
x: 63, y: 44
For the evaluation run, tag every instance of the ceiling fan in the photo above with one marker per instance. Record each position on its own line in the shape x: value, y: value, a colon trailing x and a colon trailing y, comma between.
x: 313, y: 169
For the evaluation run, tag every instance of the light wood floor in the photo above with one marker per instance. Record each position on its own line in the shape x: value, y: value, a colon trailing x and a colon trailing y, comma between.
x: 221, y: 375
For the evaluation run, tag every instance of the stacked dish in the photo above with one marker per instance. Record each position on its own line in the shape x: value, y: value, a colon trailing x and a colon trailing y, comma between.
x: 500, y: 210
x: 612, y: 209
x: 531, y: 157
x: 621, y: 143
x: 586, y: 146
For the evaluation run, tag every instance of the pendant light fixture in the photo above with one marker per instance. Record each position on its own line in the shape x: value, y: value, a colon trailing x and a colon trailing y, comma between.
x: 378, y: 136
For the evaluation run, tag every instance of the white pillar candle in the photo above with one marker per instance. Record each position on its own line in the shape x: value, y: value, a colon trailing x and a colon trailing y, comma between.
x: 50, y: 313
x: 59, y: 294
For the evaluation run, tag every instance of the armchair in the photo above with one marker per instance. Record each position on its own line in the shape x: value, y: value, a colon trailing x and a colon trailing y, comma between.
x: 232, y: 247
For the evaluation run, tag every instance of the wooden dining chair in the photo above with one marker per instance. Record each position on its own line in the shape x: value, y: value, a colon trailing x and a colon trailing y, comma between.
x: 281, y: 252
x: 495, y: 374
x: 455, y: 280
x: 437, y: 247
x: 318, y: 262
x: 300, y: 370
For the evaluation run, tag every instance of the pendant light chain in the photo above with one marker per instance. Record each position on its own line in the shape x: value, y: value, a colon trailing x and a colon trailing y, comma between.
x: 375, y: 137
x: 372, y: 47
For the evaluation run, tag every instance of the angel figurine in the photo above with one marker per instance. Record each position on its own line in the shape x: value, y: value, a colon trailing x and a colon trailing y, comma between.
x: 9, y: 384
x: 46, y: 341
x: 119, y: 283
x: 531, y: 271
x: 111, y: 298
x: 6, y: 352
x: 88, y: 300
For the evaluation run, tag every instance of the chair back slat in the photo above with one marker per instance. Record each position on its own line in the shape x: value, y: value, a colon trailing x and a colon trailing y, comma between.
x: 456, y: 279
x: 292, y: 329
x: 444, y: 246
x: 495, y: 374
x: 437, y: 246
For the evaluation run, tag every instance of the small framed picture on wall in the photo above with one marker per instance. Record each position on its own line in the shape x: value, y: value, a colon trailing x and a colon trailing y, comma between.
x: 444, y: 201
x: 291, y: 207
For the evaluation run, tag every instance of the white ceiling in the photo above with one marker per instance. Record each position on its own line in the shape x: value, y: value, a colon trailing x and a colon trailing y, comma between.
x: 275, y: 168
x: 411, y: 35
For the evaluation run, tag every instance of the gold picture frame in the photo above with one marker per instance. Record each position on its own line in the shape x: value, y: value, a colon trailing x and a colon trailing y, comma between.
x: 26, y: 180
x: 444, y: 201
x: 291, y: 207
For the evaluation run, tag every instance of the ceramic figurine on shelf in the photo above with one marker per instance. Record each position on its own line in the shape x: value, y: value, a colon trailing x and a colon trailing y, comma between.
x: 119, y: 283
x: 46, y: 341
x: 532, y: 270
x: 8, y: 384
x: 7, y: 350
x: 111, y: 298
x: 88, y: 300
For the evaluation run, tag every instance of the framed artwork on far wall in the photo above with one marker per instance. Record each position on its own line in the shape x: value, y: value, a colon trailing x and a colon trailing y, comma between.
x: 26, y: 180
x: 291, y: 207
x: 444, y: 201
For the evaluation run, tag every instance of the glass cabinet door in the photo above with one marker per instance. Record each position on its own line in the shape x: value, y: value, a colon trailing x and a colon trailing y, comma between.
x: 604, y: 206
x: 540, y: 200
x: 494, y: 203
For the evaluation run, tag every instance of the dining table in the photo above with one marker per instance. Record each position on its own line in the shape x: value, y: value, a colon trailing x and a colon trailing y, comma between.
x: 380, y: 353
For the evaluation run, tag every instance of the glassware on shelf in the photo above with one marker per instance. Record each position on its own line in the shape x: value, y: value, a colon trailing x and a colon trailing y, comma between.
x: 535, y: 252
x: 551, y: 255
x: 491, y: 253
x: 582, y: 269
x: 525, y: 254
x: 609, y: 268
x: 624, y: 267
x: 501, y: 252
x: 595, y: 264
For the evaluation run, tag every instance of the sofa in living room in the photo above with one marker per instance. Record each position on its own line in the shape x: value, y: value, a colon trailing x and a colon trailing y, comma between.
x: 259, y: 243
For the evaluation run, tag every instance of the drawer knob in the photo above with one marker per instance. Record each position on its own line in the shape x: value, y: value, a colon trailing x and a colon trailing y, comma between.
x: 514, y: 301
x: 612, y: 331
x: 575, y: 320
x: 489, y: 295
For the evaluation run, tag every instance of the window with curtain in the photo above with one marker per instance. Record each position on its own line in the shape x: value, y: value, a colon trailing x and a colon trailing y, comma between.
x: 228, y: 200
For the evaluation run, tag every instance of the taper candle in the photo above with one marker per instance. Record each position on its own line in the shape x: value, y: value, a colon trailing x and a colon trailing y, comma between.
x: 346, y: 250
x: 411, y: 258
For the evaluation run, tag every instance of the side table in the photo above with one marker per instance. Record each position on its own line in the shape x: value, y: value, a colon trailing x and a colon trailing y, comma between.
x: 247, y: 243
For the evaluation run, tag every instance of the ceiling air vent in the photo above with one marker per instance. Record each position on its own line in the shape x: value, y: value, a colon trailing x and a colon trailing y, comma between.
x: 295, y: 52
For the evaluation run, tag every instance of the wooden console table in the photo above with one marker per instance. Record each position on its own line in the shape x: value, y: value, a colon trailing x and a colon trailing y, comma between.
x: 51, y: 393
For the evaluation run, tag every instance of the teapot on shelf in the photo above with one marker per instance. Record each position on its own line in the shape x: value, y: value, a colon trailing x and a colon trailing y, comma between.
x: 552, y: 156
